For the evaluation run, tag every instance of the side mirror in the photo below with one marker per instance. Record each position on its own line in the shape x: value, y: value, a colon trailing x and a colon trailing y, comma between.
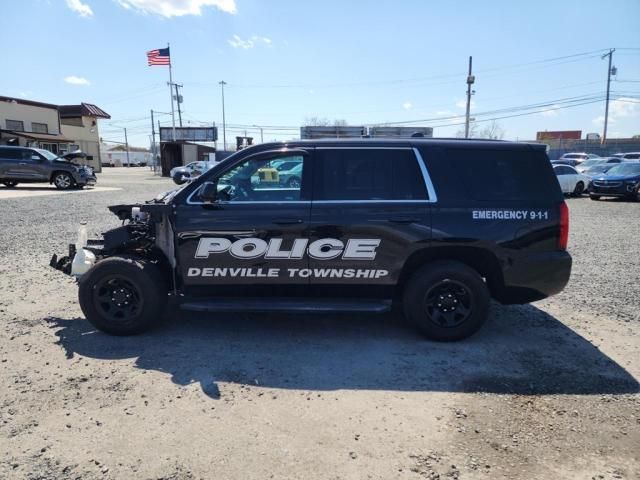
x: 209, y: 192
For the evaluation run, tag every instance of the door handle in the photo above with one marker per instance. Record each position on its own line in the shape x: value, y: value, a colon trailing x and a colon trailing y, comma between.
x: 287, y: 221
x: 403, y: 220
x: 22, y: 163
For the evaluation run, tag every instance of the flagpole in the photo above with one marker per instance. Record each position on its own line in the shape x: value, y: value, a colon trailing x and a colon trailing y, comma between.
x: 173, y: 114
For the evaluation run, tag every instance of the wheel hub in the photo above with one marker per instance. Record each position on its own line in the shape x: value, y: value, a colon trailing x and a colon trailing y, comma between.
x: 447, y: 302
x: 120, y: 297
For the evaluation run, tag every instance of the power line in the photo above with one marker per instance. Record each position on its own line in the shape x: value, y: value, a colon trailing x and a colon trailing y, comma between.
x: 553, y: 61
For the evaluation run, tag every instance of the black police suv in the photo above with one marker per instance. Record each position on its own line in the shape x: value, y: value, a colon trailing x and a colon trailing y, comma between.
x: 437, y: 227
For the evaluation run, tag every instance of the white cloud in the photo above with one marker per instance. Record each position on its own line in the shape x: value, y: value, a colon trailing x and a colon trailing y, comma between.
x: 177, y: 8
x: 73, y: 80
x: 407, y: 105
x: 80, y: 8
x: 238, y: 42
x: 549, y: 111
x: 463, y: 103
x: 624, y: 107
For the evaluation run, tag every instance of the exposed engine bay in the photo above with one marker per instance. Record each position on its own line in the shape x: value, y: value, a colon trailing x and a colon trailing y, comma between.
x: 145, y: 231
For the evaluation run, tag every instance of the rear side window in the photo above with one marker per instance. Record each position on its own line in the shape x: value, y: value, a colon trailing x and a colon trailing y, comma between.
x: 368, y: 174
x: 11, y: 153
x: 501, y: 175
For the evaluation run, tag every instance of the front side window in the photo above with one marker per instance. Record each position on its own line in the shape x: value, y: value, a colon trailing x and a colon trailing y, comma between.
x: 368, y: 174
x: 257, y: 180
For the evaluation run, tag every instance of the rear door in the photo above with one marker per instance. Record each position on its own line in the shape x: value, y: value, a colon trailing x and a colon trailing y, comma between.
x: 10, y: 159
x: 370, y: 211
x: 253, y: 236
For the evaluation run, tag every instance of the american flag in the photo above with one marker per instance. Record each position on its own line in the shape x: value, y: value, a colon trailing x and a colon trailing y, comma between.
x: 159, y: 57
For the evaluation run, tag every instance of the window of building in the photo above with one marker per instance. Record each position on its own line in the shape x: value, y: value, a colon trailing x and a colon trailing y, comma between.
x: 15, y: 125
x: 369, y: 174
x: 39, y: 127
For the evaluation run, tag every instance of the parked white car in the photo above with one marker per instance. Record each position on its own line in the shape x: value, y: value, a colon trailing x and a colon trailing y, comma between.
x: 578, y: 156
x: 628, y: 156
x: 571, y: 181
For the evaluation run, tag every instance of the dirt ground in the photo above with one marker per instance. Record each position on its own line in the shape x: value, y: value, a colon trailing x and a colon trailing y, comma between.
x: 544, y: 391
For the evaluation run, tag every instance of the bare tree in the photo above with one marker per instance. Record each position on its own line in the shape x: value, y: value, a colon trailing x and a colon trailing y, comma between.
x: 324, y: 122
x: 492, y: 131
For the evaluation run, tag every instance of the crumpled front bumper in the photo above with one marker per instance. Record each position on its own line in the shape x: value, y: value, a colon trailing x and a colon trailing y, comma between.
x: 63, y: 263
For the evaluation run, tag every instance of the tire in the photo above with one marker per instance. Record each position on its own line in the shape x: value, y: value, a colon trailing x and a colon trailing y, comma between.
x: 579, y: 189
x: 446, y: 301
x: 123, y: 295
x: 10, y: 183
x: 62, y: 180
x: 293, y: 182
x: 594, y: 197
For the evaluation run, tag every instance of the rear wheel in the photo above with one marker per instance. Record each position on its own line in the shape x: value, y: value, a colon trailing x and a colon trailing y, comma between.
x: 123, y: 295
x: 10, y: 183
x: 579, y: 189
x: 446, y: 300
x: 63, y: 180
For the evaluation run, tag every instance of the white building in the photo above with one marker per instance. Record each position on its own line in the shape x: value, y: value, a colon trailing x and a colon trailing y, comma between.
x: 59, y: 129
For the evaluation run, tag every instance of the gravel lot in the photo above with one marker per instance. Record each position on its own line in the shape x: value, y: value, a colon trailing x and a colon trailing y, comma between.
x: 548, y: 390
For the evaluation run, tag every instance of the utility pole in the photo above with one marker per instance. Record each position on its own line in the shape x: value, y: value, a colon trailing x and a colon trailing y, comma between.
x: 261, y: 133
x: 224, y: 124
x: 178, y: 101
x: 173, y: 114
x: 126, y: 143
x: 606, y: 107
x: 470, y: 80
x: 153, y: 142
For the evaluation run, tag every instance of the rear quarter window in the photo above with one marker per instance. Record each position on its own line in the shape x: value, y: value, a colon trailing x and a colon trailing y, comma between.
x: 500, y: 175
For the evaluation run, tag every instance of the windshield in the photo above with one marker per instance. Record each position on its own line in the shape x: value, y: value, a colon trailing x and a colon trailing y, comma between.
x: 627, y: 169
x: 590, y: 162
x: 46, y: 154
x: 599, y: 169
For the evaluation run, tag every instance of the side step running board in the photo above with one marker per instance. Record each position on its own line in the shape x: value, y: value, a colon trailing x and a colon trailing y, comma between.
x: 287, y: 305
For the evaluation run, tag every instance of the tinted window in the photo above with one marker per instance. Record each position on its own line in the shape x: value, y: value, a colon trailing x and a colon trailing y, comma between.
x: 632, y: 156
x: 494, y: 175
x: 564, y: 170
x: 11, y: 153
x: 368, y: 174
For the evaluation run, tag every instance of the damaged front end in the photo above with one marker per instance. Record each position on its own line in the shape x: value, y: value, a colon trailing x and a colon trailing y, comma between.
x: 145, y: 232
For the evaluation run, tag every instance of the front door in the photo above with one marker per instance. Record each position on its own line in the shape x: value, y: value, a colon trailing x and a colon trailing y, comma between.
x: 27, y: 165
x: 253, y: 235
x: 370, y: 211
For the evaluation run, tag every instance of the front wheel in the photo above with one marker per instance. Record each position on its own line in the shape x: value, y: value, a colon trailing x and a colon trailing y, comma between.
x: 579, y: 189
x: 123, y: 295
x: 10, y: 183
x: 446, y: 300
x: 63, y: 181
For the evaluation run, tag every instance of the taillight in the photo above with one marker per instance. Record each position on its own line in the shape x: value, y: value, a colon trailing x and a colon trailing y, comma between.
x: 563, y: 238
